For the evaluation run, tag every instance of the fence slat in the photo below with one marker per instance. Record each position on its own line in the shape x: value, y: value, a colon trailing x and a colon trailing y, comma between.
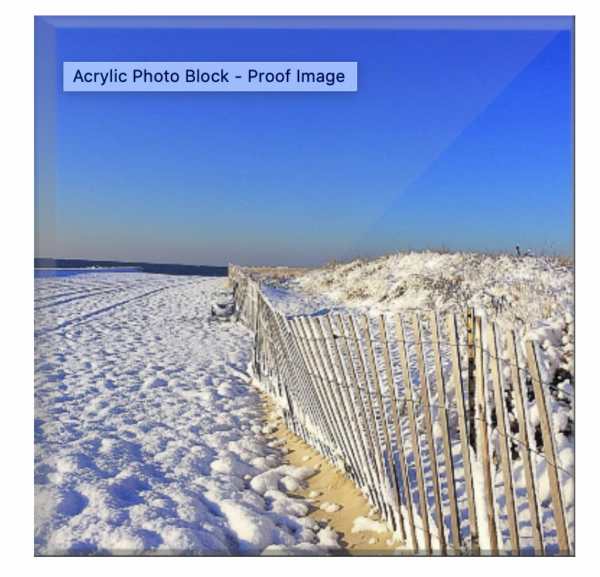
x: 367, y: 441
x: 330, y: 385
x: 441, y: 394
x: 503, y: 441
x: 388, y: 512
x: 386, y: 437
x: 326, y: 423
x: 343, y: 451
x: 429, y: 432
x: 549, y: 451
x: 339, y: 405
x: 401, y: 456
x: 529, y: 481
x: 306, y: 389
x: 462, y: 429
x: 416, y: 445
x: 279, y: 371
x: 351, y: 408
x: 299, y: 382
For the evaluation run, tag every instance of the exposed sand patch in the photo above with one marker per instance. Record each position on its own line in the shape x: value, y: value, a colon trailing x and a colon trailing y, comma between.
x: 336, y: 500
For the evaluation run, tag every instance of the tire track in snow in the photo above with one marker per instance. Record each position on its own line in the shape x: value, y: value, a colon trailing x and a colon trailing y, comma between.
x: 83, y: 318
x: 78, y: 297
x: 84, y: 291
x: 45, y: 294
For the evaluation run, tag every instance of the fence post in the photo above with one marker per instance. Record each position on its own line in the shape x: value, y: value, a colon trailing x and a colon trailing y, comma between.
x: 462, y: 429
x: 471, y: 376
x: 485, y: 447
x: 529, y: 481
x: 549, y: 452
x: 504, y: 452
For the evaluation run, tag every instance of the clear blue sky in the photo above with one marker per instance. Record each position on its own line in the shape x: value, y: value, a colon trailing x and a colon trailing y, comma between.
x: 454, y: 137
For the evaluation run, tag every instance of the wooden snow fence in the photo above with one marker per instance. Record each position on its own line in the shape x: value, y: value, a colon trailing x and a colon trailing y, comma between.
x: 385, y: 399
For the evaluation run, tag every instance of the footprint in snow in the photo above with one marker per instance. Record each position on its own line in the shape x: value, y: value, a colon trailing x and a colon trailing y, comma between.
x: 72, y: 503
x: 126, y: 492
x: 154, y: 383
x: 46, y: 367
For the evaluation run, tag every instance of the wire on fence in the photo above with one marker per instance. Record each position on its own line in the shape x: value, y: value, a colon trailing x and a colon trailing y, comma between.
x: 338, y: 378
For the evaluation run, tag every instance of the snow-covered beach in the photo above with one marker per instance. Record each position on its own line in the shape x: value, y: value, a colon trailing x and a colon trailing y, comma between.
x: 530, y: 295
x: 147, y: 433
x: 150, y: 437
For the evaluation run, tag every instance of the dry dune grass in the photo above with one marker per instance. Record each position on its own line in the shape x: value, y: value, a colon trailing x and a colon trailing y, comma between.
x: 276, y: 271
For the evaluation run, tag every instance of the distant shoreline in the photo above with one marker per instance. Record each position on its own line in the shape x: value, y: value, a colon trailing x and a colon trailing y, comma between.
x: 84, y: 268
x: 152, y: 268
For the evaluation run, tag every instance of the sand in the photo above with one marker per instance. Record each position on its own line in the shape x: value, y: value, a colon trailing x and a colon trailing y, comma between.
x: 335, y: 489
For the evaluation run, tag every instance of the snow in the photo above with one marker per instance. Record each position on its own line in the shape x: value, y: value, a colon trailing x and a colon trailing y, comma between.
x: 330, y: 507
x: 362, y: 524
x: 329, y: 538
x: 529, y: 293
x: 532, y: 295
x: 286, y: 476
x: 148, y: 433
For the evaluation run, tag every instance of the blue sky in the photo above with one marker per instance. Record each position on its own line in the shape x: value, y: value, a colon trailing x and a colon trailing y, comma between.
x: 454, y: 137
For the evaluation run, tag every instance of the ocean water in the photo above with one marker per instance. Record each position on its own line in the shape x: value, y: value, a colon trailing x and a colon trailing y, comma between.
x: 84, y: 266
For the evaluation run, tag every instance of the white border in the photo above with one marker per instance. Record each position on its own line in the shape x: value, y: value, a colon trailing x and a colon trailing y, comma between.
x: 16, y: 225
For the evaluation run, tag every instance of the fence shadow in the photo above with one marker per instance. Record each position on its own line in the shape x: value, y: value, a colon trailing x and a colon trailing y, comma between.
x: 449, y: 434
